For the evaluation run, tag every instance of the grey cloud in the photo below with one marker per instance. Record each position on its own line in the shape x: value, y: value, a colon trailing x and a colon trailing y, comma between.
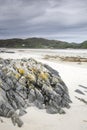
x: 56, y: 19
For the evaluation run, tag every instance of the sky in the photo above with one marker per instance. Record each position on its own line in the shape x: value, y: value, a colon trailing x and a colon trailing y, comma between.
x: 64, y: 20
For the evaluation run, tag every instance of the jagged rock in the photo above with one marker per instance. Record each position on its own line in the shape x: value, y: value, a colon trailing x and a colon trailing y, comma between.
x: 32, y: 96
x: 26, y: 82
x: 39, y: 104
x: 22, y: 112
x: 39, y: 96
x: 51, y: 70
x: 53, y: 110
x: 16, y: 120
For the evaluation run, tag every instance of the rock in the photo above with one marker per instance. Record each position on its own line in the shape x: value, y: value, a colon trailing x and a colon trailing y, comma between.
x: 39, y: 96
x: 39, y: 104
x: 53, y: 110
x: 82, y: 100
x: 83, y: 86
x: 79, y: 91
x: 51, y: 70
x: 5, y: 110
x: 22, y: 112
x: 16, y: 120
x: 26, y: 82
x: 1, y: 120
x: 32, y: 95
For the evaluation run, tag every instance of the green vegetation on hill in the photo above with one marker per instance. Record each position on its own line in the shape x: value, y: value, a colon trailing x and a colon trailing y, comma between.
x: 40, y: 43
x: 83, y: 45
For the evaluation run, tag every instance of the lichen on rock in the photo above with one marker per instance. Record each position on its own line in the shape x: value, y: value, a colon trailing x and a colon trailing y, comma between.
x: 26, y: 82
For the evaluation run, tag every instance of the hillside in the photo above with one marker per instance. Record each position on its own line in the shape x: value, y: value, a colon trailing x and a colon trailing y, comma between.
x: 40, y: 43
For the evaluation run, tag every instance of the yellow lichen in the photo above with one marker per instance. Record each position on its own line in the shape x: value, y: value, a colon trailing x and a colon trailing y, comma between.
x: 17, y: 76
x: 31, y: 86
x: 21, y: 71
x: 31, y: 77
x: 34, y: 70
x: 44, y: 75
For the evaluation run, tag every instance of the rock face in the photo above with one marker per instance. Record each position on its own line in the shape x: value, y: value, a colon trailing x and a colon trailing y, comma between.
x: 26, y: 82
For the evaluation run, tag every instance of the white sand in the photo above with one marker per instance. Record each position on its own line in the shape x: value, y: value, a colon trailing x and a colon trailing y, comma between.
x: 75, y: 117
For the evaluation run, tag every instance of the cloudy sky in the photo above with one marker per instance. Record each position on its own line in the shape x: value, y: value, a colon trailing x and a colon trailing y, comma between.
x: 53, y: 19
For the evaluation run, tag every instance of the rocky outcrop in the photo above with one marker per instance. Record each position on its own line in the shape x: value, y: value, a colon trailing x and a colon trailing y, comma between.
x: 26, y: 82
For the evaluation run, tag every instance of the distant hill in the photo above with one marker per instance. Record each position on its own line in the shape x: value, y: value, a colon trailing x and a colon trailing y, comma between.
x: 40, y: 43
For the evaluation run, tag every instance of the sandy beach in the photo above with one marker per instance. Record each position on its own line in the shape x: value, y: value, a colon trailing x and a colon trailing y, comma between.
x: 73, y: 74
